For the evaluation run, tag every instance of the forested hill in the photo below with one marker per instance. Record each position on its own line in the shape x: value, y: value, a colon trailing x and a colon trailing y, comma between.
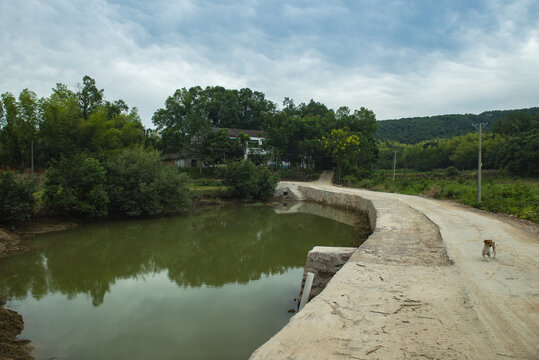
x: 416, y: 129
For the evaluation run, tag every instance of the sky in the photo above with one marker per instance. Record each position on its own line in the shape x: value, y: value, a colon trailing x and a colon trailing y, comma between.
x: 397, y: 58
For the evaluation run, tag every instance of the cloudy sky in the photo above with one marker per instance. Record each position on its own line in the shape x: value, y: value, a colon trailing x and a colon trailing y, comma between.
x: 398, y: 58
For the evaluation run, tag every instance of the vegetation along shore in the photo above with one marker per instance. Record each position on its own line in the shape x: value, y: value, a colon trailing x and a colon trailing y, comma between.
x: 76, y: 156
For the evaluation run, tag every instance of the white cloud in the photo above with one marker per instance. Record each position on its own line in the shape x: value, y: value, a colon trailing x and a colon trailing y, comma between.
x: 142, y: 56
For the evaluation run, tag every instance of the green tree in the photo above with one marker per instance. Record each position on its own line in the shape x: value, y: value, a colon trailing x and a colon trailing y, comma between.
x: 20, y: 122
x: 517, y: 122
x: 519, y: 154
x: 101, y: 133
x: 59, y: 131
x: 343, y: 147
x: 16, y: 198
x: 247, y: 181
x: 294, y: 138
x: 242, y: 108
x: 76, y: 186
x: 89, y: 96
x: 183, y: 124
x: 218, y: 148
x: 139, y: 184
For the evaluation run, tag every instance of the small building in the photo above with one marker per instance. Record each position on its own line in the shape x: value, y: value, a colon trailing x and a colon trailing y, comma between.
x: 254, y: 144
x: 254, y: 147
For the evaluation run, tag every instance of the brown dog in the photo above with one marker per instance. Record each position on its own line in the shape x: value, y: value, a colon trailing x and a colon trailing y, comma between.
x: 489, y: 244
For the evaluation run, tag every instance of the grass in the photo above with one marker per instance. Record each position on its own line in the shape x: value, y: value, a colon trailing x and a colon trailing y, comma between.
x: 217, y: 191
x: 513, y: 196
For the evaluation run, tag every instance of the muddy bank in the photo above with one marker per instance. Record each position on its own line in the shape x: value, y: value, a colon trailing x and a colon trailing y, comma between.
x: 10, y: 241
x: 10, y: 244
x: 11, y: 323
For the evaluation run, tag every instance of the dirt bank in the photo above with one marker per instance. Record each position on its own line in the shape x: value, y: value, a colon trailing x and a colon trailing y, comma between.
x: 10, y: 244
x: 11, y: 323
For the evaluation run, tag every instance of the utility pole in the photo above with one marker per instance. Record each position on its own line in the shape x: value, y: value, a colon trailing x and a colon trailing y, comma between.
x: 479, y: 127
x: 394, y: 162
x: 32, y: 151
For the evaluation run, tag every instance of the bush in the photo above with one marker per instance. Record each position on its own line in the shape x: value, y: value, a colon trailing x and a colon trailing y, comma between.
x: 247, y: 181
x: 297, y: 174
x: 139, y: 184
x: 76, y: 186
x: 451, y: 171
x: 16, y: 199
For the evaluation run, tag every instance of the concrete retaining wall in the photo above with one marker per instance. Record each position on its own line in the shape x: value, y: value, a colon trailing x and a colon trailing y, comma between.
x: 324, y: 262
x: 402, y: 237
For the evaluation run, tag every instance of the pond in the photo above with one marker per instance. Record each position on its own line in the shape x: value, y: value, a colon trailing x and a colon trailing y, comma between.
x: 214, y: 284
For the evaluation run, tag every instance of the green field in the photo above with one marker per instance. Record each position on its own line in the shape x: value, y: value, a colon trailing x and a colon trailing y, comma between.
x: 499, y: 194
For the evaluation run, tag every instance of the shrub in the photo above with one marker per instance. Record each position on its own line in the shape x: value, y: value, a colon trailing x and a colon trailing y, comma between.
x: 247, y: 181
x: 76, y: 186
x: 139, y: 184
x: 16, y: 199
x: 451, y: 171
x: 297, y: 174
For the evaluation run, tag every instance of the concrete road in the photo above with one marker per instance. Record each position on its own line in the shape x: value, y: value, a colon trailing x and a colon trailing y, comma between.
x: 398, y: 298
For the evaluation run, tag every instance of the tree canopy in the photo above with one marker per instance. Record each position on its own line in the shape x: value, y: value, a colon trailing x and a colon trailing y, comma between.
x: 417, y: 129
x: 64, y: 123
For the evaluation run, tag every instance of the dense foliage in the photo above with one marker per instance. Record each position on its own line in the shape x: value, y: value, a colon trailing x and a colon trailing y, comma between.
x: 343, y: 148
x: 299, y: 141
x: 218, y: 148
x: 139, y: 184
x: 499, y: 194
x: 16, y: 198
x: 247, y: 181
x: 64, y: 123
x: 418, y: 129
x: 76, y: 186
x: 189, y: 114
x: 513, y: 146
x: 295, y: 134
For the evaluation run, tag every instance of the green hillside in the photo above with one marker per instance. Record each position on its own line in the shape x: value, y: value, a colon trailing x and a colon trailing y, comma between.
x: 417, y: 129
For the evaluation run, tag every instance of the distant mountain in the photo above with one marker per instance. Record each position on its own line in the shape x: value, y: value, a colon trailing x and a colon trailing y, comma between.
x: 416, y: 129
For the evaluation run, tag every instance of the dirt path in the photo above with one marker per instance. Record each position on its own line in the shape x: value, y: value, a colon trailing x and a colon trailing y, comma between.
x: 391, y: 301
x: 504, y: 291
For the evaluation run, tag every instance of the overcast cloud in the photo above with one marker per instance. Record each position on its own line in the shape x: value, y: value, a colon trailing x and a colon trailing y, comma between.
x: 398, y: 58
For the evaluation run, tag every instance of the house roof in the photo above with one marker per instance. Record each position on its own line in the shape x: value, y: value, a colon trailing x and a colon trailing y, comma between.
x: 236, y: 132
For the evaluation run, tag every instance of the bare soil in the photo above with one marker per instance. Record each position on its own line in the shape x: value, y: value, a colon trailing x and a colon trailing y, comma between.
x: 11, y: 325
x: 10, y: 244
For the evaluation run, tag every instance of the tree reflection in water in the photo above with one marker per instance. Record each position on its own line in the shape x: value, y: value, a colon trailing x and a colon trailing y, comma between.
x: 212, y: 247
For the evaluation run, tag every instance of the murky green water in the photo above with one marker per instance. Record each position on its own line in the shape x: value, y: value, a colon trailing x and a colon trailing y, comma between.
x: 211, y: 285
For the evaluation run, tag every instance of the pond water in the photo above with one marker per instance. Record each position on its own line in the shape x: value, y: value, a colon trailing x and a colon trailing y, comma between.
x: 214, y: 284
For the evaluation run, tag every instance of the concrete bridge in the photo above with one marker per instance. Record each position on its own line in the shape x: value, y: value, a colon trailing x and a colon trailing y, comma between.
x: 418, y: 287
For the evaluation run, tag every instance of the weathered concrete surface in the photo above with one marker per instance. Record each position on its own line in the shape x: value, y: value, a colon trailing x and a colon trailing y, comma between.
x: 403, y: 295
x: 324, y: 262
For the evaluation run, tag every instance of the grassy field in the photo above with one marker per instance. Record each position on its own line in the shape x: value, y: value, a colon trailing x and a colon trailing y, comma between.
x: 499, y: 194
x: 208, y: 187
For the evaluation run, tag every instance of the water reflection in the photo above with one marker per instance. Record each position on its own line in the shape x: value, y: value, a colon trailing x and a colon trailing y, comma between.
x: 230, y: 244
